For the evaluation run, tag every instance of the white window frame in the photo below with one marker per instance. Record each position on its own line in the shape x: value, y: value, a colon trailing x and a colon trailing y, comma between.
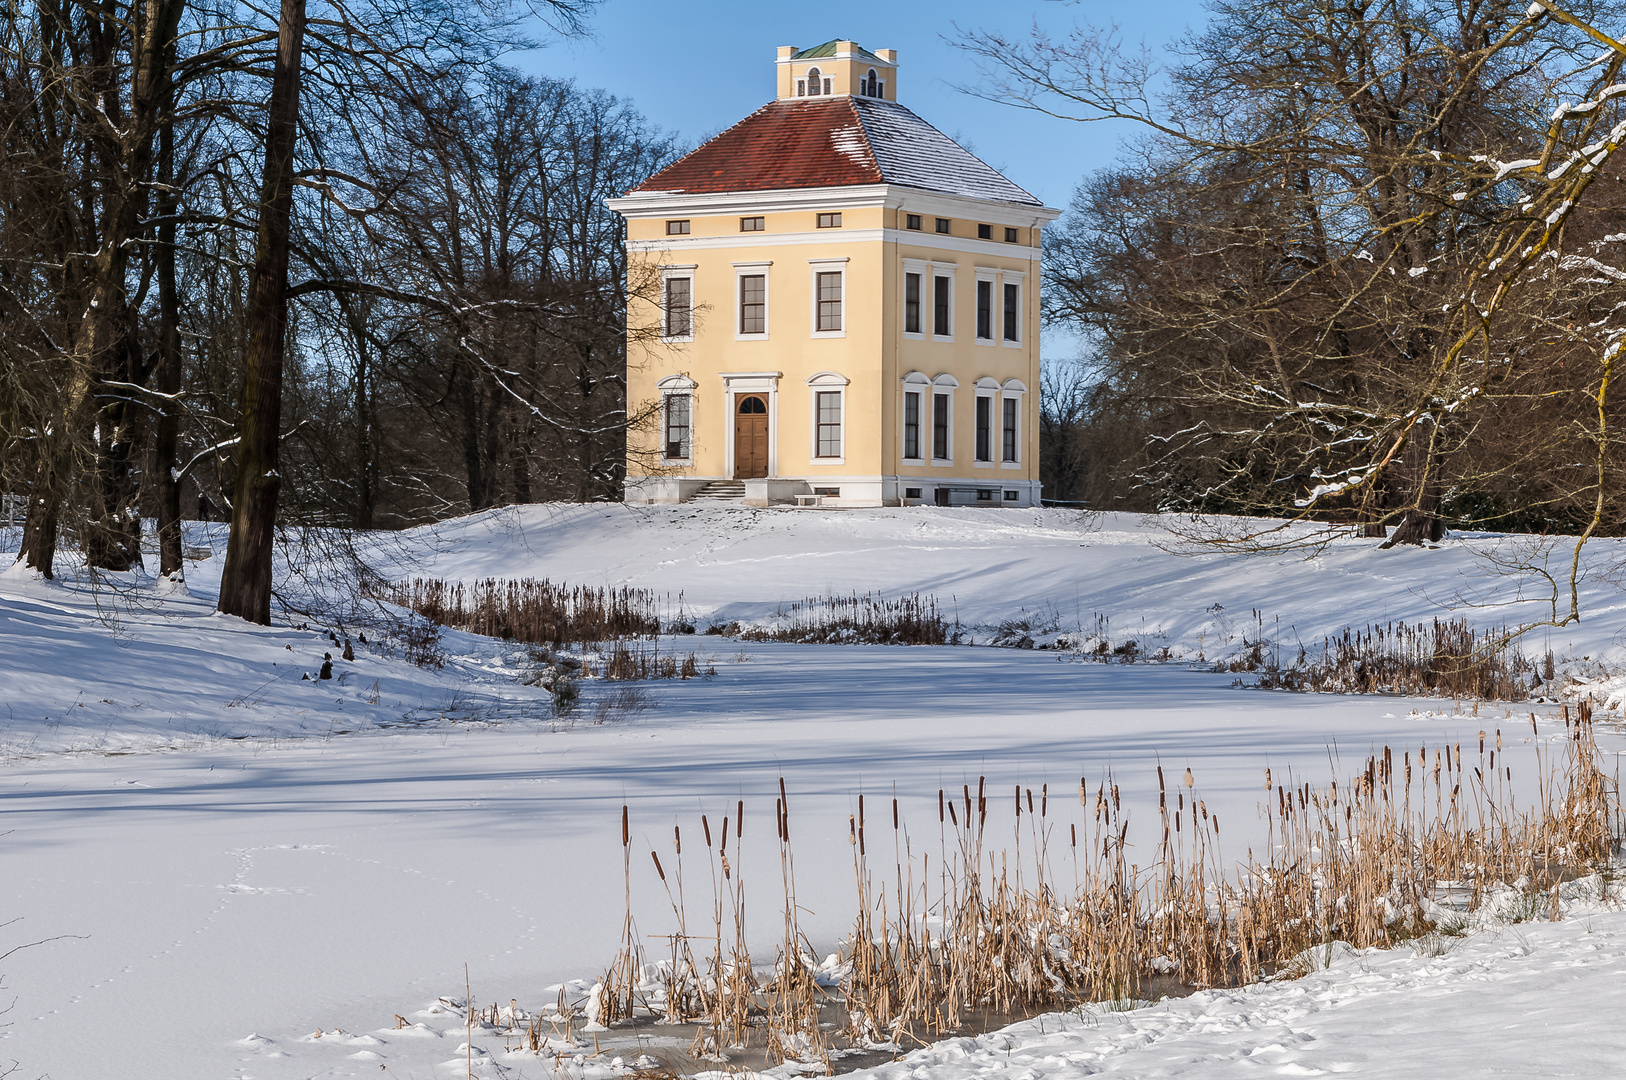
x: 668, y: 273
x: 924, y: 269
x: 826, y: 266
x: 825, y: 382
x: 944, y: 384
x: 949, y: 272
x: 987, y: 389
x: 916, y: 383
x: 991, y: 276
x: 753, y: 269
x: 1019, y: 279
x: 1012, y: 388
x: 670, y: 387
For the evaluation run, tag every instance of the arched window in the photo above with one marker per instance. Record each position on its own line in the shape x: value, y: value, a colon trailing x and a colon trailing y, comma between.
x: 812, y: 81
x: 869, y: 83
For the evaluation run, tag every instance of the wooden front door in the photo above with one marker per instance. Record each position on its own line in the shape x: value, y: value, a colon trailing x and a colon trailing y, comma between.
x: 750, y: 437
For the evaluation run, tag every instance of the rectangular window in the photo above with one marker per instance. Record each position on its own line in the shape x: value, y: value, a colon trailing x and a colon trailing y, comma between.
x: 677, y: 228
x: 985, y: 310
x: 1008, y: 435
x: 1010, y: 495
x: 751, y: 224
x: 985, y: 428
x: 911, y: 221
x: 942, y: 224
x: 985, y: 232
x: 753, y: 304
x: 985, y: 495
x: 828, y: 493
x: 911, y: 426
x: 911, y: 493
x: 940, y: 426
x: 677, y: 427
x: 911, y: 303
x: 829, y: 221
x: 941, y: 324
x: 1013, y: 236
x: 829, y: 286
x: 1013, y: 307
x: 679, y: 306
x: 829, y: 421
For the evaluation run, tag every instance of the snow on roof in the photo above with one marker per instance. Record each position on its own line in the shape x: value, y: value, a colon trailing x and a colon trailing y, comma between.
x: 912, y: 153
x: 834, y: 142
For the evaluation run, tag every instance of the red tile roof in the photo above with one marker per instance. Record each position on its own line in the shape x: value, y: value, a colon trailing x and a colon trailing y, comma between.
x: 833, y: 142
x: 784, y: 144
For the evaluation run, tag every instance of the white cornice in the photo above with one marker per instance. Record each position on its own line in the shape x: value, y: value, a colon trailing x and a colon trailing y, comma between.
x: 661, y: 204
x: 678, y: 247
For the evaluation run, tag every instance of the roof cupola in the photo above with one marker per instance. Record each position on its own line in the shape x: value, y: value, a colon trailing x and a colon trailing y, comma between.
x: 837, y: 67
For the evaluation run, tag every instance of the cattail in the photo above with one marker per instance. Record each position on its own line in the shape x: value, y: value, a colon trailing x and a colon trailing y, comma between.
x: 626, y: 834
x: 1267, y: 779
x: 1030, y: 800
x: 1044, y: 800
x: 1019, y: 801
x: 1189, y: 780
x: 658, y: 869
x: 894, y: 815
x: 706, y: 828
x: 724, y: 844
x: 677, y: 840
x: 952, y: 820
x: 940, y: 806
x: 1074, y: 829
x: 739, y: 826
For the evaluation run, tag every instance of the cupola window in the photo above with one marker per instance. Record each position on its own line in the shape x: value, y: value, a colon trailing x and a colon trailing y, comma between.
x: 869, y: 84
x: 813, y: 81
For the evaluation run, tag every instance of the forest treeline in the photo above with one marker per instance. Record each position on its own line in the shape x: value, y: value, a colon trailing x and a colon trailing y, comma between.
x: 335, y: 262
x: 1363, y: 263
x: 449, y: 281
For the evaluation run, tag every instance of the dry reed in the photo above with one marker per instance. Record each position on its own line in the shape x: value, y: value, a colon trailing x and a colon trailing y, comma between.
x: 1408, y: 844
x: 528, y: 610
x: 868, y: 619
x: 1447, y: 658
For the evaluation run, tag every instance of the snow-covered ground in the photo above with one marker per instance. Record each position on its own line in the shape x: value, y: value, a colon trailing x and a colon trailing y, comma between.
x: 229, y: 859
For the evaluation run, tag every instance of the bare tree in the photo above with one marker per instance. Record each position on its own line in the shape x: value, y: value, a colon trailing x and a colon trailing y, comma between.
x: 1309, y: 282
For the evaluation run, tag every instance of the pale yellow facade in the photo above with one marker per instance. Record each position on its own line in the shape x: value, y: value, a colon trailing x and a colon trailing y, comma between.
x: 874, y: 350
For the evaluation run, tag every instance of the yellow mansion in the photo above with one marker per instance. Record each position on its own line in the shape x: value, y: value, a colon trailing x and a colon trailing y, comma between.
x: 848, y: 307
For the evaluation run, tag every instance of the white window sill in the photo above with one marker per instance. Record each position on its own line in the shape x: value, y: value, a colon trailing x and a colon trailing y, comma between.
x: 1009, y: 344
x: 942, y: 463
x: 676, y: 340
x: 750, y: 337
x: 827, y: 461
x: 985, y: 341
x: 829, y: 334
x: 1010, y: 465
x: 907, y: 336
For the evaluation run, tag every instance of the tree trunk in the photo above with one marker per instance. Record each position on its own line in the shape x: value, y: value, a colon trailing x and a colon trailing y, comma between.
x: 245, y: 584
x: 1416, y: 484
x: 168, y: 376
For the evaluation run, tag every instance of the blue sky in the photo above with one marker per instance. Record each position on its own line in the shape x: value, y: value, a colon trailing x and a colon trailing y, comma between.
x: 696, y: 68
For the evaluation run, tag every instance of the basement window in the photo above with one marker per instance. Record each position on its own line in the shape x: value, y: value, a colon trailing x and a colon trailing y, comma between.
x: 828, y: 493
x: 1012, y: 495
x: 912, y: 493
